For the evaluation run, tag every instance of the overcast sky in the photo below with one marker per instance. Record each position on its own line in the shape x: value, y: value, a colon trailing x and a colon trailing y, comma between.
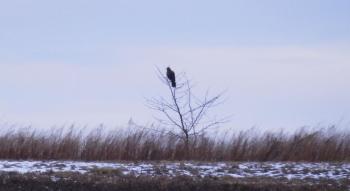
x: 284, y: 63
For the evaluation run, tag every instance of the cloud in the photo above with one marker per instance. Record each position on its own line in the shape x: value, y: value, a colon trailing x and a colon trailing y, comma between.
x: 267, y: 86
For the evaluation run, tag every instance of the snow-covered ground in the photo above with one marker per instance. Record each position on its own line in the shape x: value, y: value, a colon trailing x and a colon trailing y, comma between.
x: 290, y: 170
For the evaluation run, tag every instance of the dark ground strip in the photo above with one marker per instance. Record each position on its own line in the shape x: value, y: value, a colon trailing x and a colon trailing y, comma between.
x: 100, y: 182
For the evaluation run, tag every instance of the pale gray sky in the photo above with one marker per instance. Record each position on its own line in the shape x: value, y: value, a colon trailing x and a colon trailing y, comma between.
x: 283, y: 63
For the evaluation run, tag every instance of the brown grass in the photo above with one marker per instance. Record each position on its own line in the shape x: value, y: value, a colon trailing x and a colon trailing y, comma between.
x: 99, y: 144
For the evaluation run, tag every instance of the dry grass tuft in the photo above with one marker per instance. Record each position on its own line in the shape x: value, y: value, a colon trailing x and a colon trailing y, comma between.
x: 99, y: 144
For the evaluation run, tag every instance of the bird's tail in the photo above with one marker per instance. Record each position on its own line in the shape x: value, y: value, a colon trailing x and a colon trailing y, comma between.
x: 173, y: 83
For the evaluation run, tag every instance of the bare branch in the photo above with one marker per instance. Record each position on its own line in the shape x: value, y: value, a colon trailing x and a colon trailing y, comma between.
x: 184, y: 111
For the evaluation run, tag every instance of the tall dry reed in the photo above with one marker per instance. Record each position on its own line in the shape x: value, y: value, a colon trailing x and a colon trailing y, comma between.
x: 100, y: 144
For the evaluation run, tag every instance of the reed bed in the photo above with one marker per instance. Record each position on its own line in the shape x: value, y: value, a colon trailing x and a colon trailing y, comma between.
x: 147, y: 145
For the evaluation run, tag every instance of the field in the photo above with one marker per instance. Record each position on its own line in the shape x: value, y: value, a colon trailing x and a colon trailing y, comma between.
x: 67, y: 159
x: 162, y: 175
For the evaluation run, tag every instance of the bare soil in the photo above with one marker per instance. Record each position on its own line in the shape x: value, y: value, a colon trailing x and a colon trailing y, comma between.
x: 64, y: 181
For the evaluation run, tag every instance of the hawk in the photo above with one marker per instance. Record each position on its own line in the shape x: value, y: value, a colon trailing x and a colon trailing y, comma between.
x: 171, y: 76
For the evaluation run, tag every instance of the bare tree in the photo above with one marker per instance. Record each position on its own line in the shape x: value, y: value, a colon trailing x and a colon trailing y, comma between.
x: 184, y: 114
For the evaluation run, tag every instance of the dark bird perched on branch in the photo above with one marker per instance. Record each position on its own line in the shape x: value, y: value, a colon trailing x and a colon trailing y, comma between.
x: 171, y: 76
